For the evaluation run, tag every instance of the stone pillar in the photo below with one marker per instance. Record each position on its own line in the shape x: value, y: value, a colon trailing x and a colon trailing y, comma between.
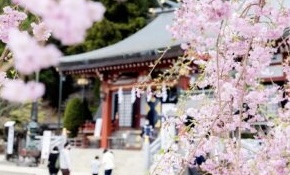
x: 146, y: 150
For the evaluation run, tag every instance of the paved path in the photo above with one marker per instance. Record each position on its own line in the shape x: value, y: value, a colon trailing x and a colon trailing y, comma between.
x: 10, y: 173
x: 127, y: 163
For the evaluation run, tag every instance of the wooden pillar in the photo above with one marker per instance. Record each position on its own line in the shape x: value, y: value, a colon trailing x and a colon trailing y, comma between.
x: 184, y: 82
x: 106, y: 114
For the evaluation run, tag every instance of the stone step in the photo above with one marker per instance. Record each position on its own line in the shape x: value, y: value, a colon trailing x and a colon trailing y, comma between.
x: 131, y: 138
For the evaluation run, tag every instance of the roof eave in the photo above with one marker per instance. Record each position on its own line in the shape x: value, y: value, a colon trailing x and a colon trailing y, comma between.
x: 137, y: 58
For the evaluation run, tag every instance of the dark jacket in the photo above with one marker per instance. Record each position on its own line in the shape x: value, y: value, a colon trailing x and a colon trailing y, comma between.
x: 147, y: 130
x: 53, y: 157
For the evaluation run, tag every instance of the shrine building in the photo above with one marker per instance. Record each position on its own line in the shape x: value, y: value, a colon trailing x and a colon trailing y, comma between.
x: 123, y: 65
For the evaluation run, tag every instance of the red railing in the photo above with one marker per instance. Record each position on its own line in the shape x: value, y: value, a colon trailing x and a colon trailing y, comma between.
x: 88, y: 127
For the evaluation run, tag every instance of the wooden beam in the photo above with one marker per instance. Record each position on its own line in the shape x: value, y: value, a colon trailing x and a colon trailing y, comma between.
x: 144, y: 85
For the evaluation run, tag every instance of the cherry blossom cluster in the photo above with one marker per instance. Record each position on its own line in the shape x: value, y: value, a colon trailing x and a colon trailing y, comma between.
x: 170, y: 157
x: 8, y: 20
x: 28, y: 55
x: 40, y: 31
x: 30, y: 91
x: 240, y: 37
x: 66, y: 20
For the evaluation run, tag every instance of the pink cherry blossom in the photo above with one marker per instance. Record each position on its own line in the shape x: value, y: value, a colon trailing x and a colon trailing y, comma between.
x: 8, y: 20
x: 37, y: 7
x: 40, y: 31
x: 217, y: 10
x: 240, y: 38
x: 30, y: 91
x: 68, y: 20
x: 28, y: 55
x: 96, y: 10
x: 3, y: 78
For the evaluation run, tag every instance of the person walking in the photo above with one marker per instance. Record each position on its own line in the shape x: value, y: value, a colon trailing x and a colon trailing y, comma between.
x: 95, y: 165
x: 53, y: 161
x: 147, y: 130
x: 108, y: 162
x: 65, y: 162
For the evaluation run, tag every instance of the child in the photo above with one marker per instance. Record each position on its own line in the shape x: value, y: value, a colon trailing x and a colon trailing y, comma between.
x: 95, y: 165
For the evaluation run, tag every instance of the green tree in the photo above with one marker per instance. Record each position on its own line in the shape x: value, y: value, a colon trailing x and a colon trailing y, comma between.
x: 73, y: 116
x: 4, y: 3
x: 76, y: 113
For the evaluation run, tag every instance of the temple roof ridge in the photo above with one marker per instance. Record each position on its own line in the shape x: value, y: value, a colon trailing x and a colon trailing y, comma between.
x: 147, y: 41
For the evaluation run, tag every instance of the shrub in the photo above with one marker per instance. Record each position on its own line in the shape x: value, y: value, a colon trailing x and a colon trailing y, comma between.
x: 73, y: 116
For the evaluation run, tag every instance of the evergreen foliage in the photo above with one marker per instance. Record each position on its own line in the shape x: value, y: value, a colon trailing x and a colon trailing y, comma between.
x: 4, y: 3
x: 76, y: 113
x: 73, y: 116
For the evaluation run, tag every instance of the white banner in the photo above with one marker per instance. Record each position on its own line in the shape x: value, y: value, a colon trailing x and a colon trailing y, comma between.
x: 45, y: 144
x: 98, y: 128
x: 10, y: 139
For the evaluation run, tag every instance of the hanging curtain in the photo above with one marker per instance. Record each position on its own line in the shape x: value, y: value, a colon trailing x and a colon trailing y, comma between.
x: 149, y: 93
x: 120, y: 95
x: 133, y: 95
x: 164, y: 93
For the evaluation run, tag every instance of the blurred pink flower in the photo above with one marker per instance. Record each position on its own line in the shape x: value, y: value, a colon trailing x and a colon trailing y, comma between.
x: 28, y: 55
x: 8, y: 20
x: 3, y: 78
x: 37, y: 7
x: 40, y: 31
x: 217, y: 10
x: 67, y: 19
x: 96, y: 10
x: 20, y: 92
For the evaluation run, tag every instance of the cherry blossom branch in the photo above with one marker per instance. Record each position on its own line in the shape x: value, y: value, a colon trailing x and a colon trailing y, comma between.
x: 156, y: 63
x: 218, y: 65
x: 4, y: 54
x: 199, y: 143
